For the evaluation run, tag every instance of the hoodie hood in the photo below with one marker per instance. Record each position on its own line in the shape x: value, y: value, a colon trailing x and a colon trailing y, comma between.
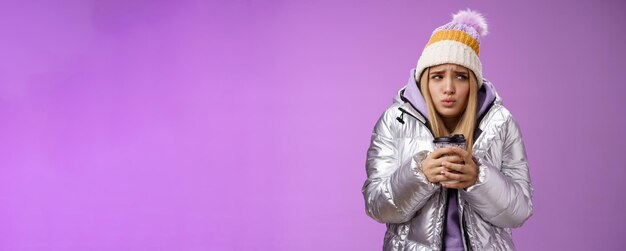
x: 486, y: 96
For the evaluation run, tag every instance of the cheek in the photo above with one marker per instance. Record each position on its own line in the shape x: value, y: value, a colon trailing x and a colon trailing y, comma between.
x: 464, y: 92
x: 433, y: 91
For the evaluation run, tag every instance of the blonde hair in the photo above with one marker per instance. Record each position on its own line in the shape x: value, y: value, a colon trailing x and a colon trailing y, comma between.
x: 467, y: 121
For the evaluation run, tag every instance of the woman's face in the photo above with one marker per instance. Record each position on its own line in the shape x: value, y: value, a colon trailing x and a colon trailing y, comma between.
x: 449, y: 89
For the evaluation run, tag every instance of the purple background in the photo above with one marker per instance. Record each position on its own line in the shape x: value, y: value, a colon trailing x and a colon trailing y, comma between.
x: 243, y: 125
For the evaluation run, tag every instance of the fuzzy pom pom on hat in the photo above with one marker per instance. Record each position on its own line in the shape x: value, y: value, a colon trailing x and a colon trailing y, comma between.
x: 457, y: 42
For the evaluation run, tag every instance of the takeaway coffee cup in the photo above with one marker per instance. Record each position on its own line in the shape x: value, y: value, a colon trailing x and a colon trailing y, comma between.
x: 450, y: 141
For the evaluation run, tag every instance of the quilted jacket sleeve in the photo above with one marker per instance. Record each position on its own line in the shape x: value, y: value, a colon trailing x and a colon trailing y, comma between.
x: 503, y: 193
x: 394, y: 189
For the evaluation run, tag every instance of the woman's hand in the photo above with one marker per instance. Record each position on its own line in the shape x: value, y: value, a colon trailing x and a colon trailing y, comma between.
x: 465, y: 172
x: 433, y: 167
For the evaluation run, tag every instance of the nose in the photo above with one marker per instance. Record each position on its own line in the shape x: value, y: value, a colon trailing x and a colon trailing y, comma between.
x: 449, y: 87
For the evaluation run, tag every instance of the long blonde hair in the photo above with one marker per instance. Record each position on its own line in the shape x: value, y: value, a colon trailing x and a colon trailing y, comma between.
x: 466, y: 123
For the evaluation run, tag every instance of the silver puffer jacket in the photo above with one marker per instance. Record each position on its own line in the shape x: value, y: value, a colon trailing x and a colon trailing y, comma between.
x: 397, y: 193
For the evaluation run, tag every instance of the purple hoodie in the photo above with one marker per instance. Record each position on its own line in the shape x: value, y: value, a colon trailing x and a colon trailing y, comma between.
x: 452, y: 238
x: 486, y: 96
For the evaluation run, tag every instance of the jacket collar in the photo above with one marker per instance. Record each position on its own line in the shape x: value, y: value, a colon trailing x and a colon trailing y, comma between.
x: 412, y: 101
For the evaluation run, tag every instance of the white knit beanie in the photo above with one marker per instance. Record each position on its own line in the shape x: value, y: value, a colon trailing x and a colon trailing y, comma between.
x: 457, y: 42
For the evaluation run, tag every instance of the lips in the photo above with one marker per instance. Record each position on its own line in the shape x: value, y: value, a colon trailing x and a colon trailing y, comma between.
x: 448, y: 102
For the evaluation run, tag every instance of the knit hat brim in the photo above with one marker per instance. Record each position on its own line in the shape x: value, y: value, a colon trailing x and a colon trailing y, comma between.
x: 449, y: 52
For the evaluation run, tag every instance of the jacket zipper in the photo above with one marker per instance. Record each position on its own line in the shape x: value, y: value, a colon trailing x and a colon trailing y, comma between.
x: 445, y: 192
x: 461, y: 213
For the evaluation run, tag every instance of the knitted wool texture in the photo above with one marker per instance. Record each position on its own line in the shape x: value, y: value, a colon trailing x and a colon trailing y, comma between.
x: 457, y: 42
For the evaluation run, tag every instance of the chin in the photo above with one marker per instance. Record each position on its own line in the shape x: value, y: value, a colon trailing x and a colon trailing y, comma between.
x: 449, y: 115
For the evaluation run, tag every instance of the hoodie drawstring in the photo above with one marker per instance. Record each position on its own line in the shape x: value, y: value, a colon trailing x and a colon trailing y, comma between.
x: 401, y: 117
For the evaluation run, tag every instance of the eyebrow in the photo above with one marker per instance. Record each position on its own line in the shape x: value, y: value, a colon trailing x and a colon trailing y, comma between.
x: 442, y: 71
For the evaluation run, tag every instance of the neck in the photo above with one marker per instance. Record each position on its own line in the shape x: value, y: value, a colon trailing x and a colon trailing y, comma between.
x: 450, y: 123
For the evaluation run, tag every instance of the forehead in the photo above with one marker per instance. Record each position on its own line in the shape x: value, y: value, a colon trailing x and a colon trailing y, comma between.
x: 448, y: 67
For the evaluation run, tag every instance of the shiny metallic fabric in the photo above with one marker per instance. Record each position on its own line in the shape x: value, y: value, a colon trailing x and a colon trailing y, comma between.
x: 397, y: 193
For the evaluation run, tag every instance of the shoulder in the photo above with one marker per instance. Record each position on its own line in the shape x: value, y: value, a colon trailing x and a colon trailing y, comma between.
x: 499, y: 130
x: 497, y: 115
x: 501, y: 121
x: 392, y: 111
x: 387, y: 122
x: 401, y: 121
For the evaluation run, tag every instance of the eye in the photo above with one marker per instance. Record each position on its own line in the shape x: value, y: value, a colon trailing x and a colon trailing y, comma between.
x: 462, y: 77
x: 436, y: 76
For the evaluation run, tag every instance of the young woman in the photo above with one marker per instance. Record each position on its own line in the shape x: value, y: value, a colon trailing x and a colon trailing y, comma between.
x: 408, y: 183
